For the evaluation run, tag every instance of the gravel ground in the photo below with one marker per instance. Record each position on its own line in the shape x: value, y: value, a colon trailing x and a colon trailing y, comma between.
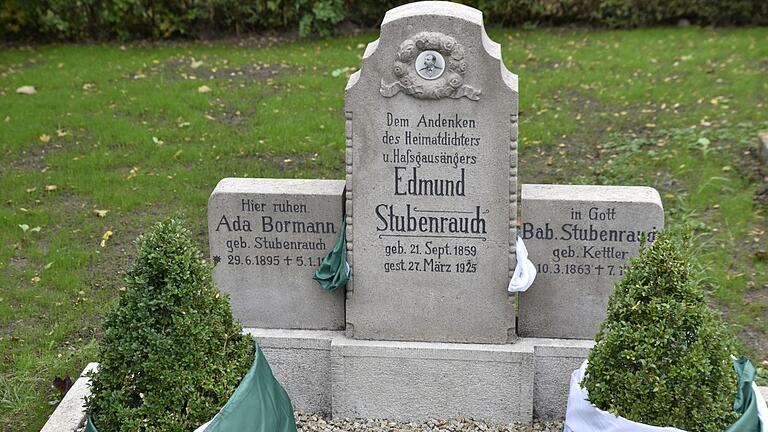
x: 320, y: 423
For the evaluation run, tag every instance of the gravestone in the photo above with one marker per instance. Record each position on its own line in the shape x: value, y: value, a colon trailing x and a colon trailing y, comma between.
x: 431, y: 179
x: 267, y: 237
x: 431, y: 136
x: 580, y: 238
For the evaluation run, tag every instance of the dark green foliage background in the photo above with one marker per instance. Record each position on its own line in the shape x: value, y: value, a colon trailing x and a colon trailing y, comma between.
x: 662, y: 358
x: 172, y: 354
x: 132, y: 19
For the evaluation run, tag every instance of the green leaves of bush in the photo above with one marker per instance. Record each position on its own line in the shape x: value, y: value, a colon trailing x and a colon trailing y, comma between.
x: 135, y: 19
x: 662, y: 358
x: 171, y: 355
x: 319, y: 16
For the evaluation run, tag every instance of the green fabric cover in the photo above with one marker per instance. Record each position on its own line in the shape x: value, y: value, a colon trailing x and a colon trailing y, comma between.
x: 89, y: 427
x: 333, y: 272
x: 259, y: 404
x: 745, y: 402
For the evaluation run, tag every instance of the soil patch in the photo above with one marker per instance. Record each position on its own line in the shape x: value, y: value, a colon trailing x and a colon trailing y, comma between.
x: 177, y: 68
x: 756, y: 295
x: 757, y: 340
x: 32, y: 159
x: 19, y: 262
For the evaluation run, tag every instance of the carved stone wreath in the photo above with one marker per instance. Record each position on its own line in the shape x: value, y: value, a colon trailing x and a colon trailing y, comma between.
x: 451, y: 82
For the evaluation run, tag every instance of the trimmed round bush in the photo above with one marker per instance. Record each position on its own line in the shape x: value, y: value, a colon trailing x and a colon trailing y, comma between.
x: 662, y: 358
x: 171, y: 355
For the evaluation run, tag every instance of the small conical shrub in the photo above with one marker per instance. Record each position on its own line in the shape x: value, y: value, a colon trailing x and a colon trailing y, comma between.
x: 171, y: 354
x: 661, y: 357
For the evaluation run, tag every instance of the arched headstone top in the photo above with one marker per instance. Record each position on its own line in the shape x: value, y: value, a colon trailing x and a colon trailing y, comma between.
x: 434, y: 50
x: 436, y: 8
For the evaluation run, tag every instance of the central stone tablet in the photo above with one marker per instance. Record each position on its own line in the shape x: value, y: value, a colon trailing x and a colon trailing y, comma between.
x: 431, y: 130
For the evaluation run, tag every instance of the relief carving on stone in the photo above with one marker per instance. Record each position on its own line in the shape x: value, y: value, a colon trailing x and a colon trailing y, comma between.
x: 430, y: 65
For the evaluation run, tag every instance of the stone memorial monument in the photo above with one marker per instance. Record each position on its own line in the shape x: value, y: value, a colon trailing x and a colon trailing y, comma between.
x: 267, y: 237
x: 425, y: 328
x: 431, y: 124
x: 580, y: 237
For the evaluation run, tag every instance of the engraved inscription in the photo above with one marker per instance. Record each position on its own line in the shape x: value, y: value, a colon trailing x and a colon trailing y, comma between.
x: 590, y: 241
x: 430, y: 155
x: 272, y: 233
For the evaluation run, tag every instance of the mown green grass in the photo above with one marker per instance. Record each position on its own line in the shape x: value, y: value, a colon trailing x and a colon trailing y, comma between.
x: 130, y: 133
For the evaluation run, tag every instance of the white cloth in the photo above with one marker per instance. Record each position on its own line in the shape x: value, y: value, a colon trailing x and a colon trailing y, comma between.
x: 762, y: 408
x: 582, y: 416
x: 525, y: 271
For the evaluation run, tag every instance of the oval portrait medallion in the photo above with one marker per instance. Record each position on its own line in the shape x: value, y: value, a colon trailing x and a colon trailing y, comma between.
x: 430, y: 65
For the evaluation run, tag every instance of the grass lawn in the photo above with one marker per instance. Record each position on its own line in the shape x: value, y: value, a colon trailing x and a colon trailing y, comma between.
x: 118, y: 137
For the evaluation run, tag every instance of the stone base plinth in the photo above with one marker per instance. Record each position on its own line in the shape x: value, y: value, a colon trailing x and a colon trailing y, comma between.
x: 301, y: 361
x: 407, y: 381
x: 325, y: 371
x: 554, y: 360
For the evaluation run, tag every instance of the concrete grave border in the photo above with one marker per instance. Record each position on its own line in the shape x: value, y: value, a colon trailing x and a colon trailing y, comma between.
x: 70, y: 413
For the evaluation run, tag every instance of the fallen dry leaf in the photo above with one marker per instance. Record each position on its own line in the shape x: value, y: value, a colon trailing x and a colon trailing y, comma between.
x: 51, y: 188
x: 132, y: 173
x: 45, y: 138
x: 196, y: 64
x: 27, y: 90
x: 62, y: 384
x: 203, y: 89
x: 105, y: 237
x: 100, y: 213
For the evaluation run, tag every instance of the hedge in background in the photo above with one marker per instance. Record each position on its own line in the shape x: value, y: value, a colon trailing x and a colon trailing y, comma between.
x: 171, y: 355
x: 132, y: 19
x: 662, y: 358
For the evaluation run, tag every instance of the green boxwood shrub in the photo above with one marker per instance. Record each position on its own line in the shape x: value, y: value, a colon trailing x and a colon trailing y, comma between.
x: 661, y: 357
x: 171, y: 355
